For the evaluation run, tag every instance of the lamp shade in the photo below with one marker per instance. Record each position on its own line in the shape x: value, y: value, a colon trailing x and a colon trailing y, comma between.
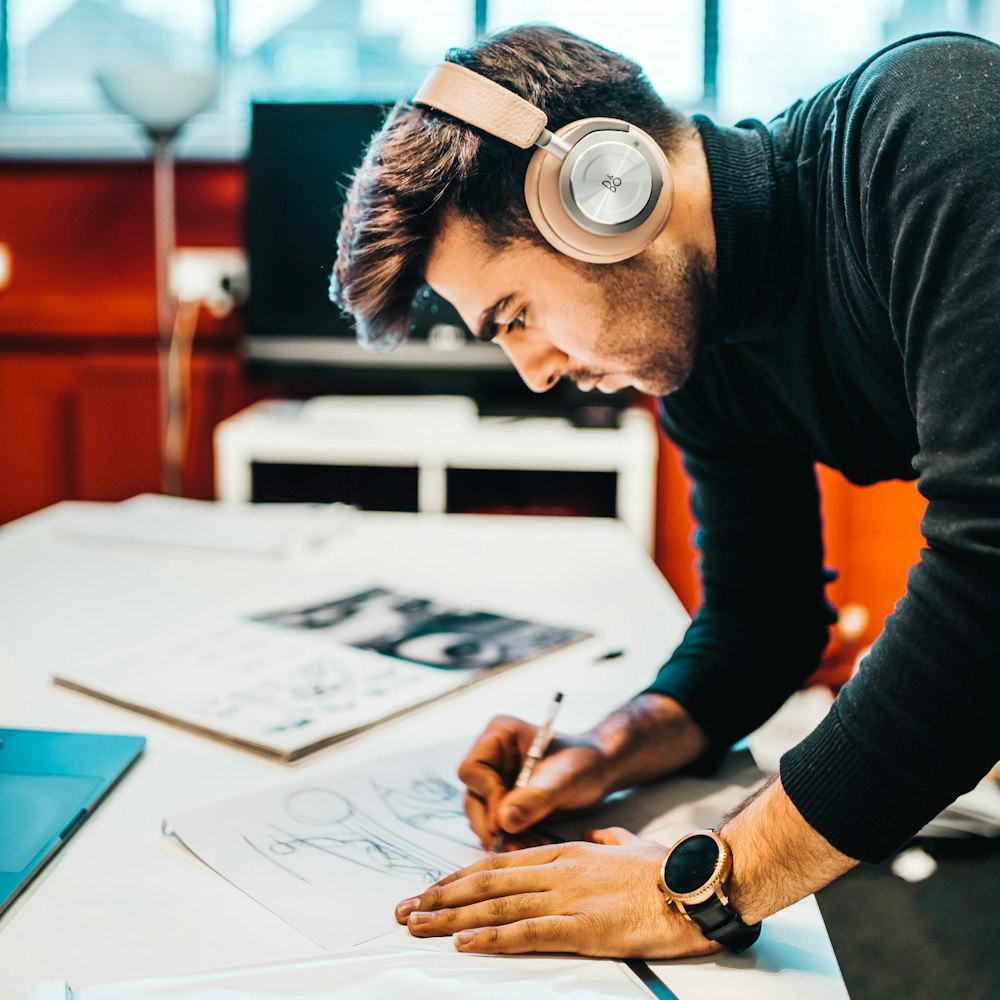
x: 159, y: 98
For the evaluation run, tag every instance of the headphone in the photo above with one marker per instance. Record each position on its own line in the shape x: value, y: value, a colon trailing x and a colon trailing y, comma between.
x: 599, y: 189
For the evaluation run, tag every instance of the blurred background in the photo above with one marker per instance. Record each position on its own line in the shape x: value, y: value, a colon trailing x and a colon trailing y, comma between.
x: 255, y: 180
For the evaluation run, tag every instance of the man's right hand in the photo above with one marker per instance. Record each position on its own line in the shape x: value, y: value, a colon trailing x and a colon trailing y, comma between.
x: 650, y: 736
x: 573, y: 774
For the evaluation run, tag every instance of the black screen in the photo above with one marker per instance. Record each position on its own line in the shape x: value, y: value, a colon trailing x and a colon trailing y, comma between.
x: 302, y: 158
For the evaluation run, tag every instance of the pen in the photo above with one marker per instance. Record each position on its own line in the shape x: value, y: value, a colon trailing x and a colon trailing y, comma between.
x: 611, y: 654
x: 535, y: 753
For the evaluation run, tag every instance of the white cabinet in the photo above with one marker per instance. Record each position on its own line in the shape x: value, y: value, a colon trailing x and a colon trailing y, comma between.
x: 436, y: 454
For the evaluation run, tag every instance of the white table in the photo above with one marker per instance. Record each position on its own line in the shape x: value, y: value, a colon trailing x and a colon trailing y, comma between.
x: 120, y: 901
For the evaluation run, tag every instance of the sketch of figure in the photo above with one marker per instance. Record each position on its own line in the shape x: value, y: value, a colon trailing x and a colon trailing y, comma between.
x: 430, y: 804
x: 340, y: 832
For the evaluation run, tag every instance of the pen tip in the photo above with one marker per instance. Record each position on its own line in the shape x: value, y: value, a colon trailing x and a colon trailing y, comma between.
x: 558, y: 696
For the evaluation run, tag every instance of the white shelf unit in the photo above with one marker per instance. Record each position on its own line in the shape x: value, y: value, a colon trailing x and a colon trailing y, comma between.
x: 435, y: 439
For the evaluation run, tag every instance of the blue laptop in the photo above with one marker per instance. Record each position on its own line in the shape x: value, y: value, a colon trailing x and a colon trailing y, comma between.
x: 49, y: 784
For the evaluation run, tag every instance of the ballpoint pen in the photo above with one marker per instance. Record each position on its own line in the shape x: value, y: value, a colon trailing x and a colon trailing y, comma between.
x: 535, y: 753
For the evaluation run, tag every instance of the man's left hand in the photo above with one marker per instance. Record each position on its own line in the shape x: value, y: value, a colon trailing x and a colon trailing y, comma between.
x: 598, y: 897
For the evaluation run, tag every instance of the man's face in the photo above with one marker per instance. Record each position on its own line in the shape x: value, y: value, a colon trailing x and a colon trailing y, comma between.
x: 605, y: 326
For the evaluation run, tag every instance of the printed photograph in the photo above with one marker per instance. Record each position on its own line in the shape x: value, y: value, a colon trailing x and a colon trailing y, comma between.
x: 425, y: 631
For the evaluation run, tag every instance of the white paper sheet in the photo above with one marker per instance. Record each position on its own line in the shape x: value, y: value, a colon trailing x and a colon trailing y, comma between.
x: 332, y: 855
x: 377, y: 972
x: 792, y: 959
x: 48, y: 990
x: 253, y: 683
x: 181, y: 523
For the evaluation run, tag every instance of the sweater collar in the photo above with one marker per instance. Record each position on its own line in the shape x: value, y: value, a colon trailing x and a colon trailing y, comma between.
x: 743, y: 188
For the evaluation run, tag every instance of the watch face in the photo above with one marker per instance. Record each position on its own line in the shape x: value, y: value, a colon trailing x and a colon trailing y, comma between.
x: 691, y: 864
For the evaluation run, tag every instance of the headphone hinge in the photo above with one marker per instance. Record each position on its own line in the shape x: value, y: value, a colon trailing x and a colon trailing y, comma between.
x: 553, y: 144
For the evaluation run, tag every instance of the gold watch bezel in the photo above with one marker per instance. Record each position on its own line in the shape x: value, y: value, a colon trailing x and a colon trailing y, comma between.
x: 712, y: 887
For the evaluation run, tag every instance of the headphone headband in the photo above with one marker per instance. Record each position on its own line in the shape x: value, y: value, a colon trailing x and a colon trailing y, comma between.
x: 475, y: 99
x: 598, y: 190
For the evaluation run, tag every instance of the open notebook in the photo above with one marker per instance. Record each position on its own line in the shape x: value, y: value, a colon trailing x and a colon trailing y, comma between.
x: 289, y: 682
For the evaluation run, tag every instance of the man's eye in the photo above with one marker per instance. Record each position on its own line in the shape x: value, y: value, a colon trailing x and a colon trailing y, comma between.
x: 516, y: 323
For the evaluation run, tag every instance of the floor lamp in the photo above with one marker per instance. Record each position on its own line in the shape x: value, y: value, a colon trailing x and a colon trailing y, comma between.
x: 162, y: 101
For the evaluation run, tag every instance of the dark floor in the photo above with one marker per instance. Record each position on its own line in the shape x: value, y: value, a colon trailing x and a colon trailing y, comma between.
x: 939, y: 938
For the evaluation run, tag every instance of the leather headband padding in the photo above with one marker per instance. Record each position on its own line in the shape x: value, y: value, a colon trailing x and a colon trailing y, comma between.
x: 474, y: 99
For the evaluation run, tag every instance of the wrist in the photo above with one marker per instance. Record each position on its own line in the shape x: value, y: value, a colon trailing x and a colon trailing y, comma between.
x: 777, y: 857
x: 650, y: 736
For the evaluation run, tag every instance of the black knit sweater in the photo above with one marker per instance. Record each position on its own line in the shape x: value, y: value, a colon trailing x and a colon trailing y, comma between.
x: 857, y: 324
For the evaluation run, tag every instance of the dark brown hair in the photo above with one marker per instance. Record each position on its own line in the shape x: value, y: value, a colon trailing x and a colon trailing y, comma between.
x: 422, y: 162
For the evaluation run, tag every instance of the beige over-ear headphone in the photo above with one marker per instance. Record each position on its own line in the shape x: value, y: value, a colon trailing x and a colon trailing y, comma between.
x: 598, y: 189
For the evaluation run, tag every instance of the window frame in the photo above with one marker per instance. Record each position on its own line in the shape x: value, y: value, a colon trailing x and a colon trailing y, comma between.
x: 218, y: 134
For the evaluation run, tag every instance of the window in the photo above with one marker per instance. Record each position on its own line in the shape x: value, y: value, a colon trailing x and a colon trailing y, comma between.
x: 298, y: 50
x: 773, y: 52
x: 666, y: 39
x: 56, y: 48
x: 730, y: 58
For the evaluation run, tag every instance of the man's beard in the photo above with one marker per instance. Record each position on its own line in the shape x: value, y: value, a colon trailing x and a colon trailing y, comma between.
x: 656, y: 307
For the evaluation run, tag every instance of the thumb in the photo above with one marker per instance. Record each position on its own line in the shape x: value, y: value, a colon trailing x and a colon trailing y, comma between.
x: 524, y: 807
x: 612, y: 835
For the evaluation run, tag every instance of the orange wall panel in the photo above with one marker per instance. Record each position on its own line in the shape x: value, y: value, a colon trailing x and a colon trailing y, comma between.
x: 872, y: 539
x: 37, y: 462
x: 81, y: 236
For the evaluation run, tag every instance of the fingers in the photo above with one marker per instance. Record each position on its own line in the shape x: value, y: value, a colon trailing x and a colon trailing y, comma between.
x: 492, y: 765
x: 490, y: 912
x: 552, y: 933
x: 496, y: 909
x: 490, y: 768
x: 494, y: 876
x: 614, y: 835
x: 479, y: 819
x: 524, y: 807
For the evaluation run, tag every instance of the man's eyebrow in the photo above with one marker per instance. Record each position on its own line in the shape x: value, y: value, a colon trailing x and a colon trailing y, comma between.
x: 486, y: 330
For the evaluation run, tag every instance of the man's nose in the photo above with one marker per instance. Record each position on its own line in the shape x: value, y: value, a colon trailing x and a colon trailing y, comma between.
x: 540, y: 366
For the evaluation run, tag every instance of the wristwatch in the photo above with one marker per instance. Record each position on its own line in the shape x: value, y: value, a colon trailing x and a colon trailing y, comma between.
x: 693, y: 876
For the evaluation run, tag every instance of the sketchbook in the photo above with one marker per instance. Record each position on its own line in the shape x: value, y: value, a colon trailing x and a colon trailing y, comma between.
x: 287, y: 692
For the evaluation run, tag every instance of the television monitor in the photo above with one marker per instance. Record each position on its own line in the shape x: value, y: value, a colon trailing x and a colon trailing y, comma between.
x: 300, y: 163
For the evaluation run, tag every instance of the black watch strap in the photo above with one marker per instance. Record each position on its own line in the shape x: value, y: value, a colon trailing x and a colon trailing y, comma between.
x: 721, y: 923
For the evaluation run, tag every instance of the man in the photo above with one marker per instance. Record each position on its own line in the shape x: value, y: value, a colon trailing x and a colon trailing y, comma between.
x: 825, y: 288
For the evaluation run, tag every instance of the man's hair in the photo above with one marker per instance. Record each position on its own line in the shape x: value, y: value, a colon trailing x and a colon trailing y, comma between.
x: 422, y: 163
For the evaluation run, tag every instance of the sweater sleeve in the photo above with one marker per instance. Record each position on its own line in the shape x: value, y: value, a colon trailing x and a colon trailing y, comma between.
x: 917, y: 725
x: 764, y: 620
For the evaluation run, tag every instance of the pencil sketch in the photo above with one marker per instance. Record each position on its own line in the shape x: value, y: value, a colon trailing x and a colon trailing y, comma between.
x: 318, y: 689
x: 371, y: 833
x: 430, y: 804
x: 341, y: 832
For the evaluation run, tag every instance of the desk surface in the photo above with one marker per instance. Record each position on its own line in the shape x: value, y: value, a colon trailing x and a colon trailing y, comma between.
x: 121, y: 901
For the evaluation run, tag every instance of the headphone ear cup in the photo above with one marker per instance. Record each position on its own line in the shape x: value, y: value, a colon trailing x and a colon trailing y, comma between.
x: 546, y: 189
